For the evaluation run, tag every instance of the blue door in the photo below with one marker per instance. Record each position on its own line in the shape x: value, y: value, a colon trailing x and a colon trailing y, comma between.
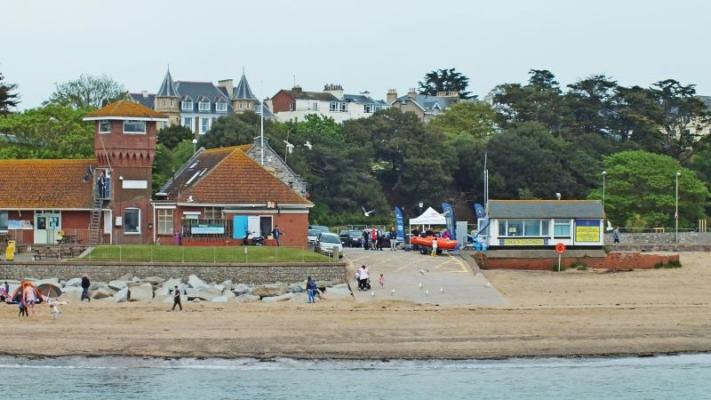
x: 239, y: 226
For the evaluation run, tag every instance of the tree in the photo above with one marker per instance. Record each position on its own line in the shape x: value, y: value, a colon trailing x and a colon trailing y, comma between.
x: 234, y: 130
x: 52, y: 131
x: 172, y: 135
x: 640, y: 190
x: 8, y: 99
x: 472, y: 118
x: 592, y: 105
x: 445, y: 80
x: 87, y: 91
x: 167, y: 161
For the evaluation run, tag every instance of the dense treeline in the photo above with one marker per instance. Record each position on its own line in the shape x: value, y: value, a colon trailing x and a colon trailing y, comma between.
x: 539, y: 139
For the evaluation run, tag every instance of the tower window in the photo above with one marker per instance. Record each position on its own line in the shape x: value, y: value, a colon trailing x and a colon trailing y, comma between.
x: 134, y: 127
x: 105, y: 126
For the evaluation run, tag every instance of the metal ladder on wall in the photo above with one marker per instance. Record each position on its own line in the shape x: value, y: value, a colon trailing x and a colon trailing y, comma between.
x: 95, y: 221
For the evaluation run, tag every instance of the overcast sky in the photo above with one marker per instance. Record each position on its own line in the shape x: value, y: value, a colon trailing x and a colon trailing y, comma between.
x: 361, y: 44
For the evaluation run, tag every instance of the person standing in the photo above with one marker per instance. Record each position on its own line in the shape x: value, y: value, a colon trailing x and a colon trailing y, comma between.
x: 85, y: 285
x: 373, y: 238
x: 616, y: 235
x: 311, y: 289
x: 393, y: 239
x: 176, y: 299
x: 365, y: 238
x: 276, y: 234
x: 101, y: 185
x: 434, y: 245
x: 381, y: 280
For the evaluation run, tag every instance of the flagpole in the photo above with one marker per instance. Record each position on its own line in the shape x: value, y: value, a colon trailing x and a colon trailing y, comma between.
x: 261, y: 130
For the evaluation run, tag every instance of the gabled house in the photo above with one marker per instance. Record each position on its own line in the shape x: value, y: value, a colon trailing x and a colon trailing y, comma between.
x: 332, y: 102
x: 424, y: 106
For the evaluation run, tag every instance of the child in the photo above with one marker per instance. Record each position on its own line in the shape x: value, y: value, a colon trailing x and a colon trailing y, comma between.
x: 381, y: 280
x: 434, y: 246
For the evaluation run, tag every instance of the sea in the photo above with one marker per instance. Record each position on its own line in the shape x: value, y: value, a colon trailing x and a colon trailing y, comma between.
x: 663, y: 377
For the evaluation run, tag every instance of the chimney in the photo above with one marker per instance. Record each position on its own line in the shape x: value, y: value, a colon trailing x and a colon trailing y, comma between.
x: 448, y: 93
x: 391, y: 97
x: 144, y: 93
x: 228, y: 84
x: 296, y: 90
x: 412, y: 93
x: 334, y: 89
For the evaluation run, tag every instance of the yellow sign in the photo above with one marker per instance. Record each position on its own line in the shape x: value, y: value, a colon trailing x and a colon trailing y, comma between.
x: 524, y: 242
x: 588, y: 234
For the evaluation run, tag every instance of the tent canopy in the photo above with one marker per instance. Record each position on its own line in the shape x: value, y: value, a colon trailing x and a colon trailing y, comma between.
x: 429, y: 217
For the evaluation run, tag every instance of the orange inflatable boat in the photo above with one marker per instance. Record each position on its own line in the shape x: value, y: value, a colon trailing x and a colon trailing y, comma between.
x: 443, y: 244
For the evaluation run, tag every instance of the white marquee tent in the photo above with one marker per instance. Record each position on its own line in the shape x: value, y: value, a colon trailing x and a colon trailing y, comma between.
x: 429, y: 217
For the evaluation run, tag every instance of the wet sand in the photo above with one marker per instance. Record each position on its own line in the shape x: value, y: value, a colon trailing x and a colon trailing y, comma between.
x: 576, y: 313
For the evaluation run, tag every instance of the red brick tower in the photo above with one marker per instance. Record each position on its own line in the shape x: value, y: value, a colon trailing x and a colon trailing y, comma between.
x: 124, y: 144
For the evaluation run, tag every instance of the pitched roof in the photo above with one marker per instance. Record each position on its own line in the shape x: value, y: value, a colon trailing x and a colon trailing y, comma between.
x: 125, y: 108
x: 228, y: 176
x: 545, y: 209
x: 243, y: 91
x: 430, y: 103
x: 204, y: 90
x: 45, y: 184
x: 302, y: 95
x: 147, y: 99
x: 167, y: 88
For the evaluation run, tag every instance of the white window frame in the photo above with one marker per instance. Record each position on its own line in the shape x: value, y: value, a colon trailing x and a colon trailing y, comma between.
x: 204, y: 106
x: 221, y: 107
x: 563, y: 222
x: 524, y: 234
x: 343, y: 107
x: 102, y: 131
x: 333, y: 106
x: 204, y: 122
x: 188, y: 125
x: 133, y: 121
x: 186, y: 105
x: 138, y: 227
x: 164, y: 219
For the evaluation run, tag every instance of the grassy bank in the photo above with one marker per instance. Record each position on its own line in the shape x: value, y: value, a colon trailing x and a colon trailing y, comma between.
x: 250, y: 254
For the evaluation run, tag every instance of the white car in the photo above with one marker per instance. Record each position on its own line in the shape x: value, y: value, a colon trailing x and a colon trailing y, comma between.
x: 328, y: 242
x: 312, y: 236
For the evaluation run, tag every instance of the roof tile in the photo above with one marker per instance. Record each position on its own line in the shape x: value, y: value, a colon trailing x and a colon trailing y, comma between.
x: 125, y: 108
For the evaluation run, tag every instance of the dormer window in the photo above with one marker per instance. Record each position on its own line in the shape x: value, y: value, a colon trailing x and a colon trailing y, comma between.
x: 221, y: 107
x: 133, y: 127
x: 105, y: 126
x: 204, y: 106
x: 186, y: 105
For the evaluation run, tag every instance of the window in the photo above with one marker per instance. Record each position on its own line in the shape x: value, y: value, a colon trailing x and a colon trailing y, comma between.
x: 292, y: 107
x: 514, y: 228
x: 162, y: 125
x: 333, y: 106
x: 3, y: 221
x: 265, y: 225
x: 368, y: 108
x: 527, y: 227
x: 186, y: 105
x: 131, y: 221
x: 212, y: 213
x: 561, y: 228
x: 204, y: 106
x: 104, y: 126
x: 544, y: 227
x: 221, y: 107
x: 188, y: 123
x: 165, y: 221
x: 344, y: 107
x: 204, y: 125
x: 241, y: 106
x: 532, y: 227
x: 134, y: 127
x: 314, y: 106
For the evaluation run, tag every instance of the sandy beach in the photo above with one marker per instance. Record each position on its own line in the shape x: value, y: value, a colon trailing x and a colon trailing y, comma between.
x: 573, y: 313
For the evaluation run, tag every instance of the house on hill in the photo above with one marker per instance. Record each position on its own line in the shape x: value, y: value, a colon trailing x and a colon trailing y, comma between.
x: 424, y: 106
x: 108, y: 199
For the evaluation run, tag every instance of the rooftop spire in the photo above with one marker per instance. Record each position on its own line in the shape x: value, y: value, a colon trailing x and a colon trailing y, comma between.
x: 167, y: 88
x: 243, y: 91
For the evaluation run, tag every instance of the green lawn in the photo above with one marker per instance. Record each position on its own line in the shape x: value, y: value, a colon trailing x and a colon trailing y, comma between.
x: 256, y: 254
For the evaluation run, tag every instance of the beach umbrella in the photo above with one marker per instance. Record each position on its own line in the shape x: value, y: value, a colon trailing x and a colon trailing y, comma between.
x: 50, y: 290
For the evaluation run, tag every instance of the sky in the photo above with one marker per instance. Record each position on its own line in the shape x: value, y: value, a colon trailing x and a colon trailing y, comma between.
x: 364, y: 45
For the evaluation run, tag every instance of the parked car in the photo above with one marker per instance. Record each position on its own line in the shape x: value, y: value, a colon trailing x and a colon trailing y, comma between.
x: 351, y: 238
x: 327, y: 242
x: 319, y: 228
x: 312, y: 236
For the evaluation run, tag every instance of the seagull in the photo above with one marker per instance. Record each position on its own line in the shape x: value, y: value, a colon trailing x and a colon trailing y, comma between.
x: 392, y: 292
x: 441, y: 290
x: 488, y: 284
x: 289, y: 147
x: 372, y: 294
x: 367, y: 213
x: 427, y: 292
x: 308, y: 145
x: 420, y: 285
x: 422, y: 272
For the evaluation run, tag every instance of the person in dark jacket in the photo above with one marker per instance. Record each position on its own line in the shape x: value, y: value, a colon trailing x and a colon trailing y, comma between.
x: 176, y: 299
x: 365, y: 238
x: 85, y: 285
x: 311, y: 289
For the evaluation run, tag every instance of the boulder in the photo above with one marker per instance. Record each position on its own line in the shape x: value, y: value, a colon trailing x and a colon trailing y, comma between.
x: 228, y: 284
x: 117, y: 285
x: 269, y: 290
x: 74, y: 282
x: 275, y: 299
x: 195, y: 282
x: 72, y: 292
x: 168, y: 286
x: 135, y: 279
x: 54, y: 281
x: 102, y: 293
x: 153, y: 280
x: 141, y: 292
x: 169, y: 299
x: 219, y: 299
x: 125, y: 277
x: 121, y: 296
x: 219, y: 287
x: 297, y: 288
x: 98, y: 285
x: 203, y: 294
x: 247, y: 298
x: 241, y: 288
x: 299, y: 298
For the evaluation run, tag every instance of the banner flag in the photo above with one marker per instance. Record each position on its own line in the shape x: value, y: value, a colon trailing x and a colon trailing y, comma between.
x: 399, y: 225
x: 449, y: 216
x: 479, y: 210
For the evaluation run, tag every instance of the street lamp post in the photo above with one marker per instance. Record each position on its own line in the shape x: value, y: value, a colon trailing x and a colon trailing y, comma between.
x: 676, y: 207
x: 604, y: 175
x: 194, y: 145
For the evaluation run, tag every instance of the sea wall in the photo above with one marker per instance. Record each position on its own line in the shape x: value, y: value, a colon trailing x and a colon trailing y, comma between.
x: 662, y: 238
x: 243, y: 273
x: 615, y: 260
